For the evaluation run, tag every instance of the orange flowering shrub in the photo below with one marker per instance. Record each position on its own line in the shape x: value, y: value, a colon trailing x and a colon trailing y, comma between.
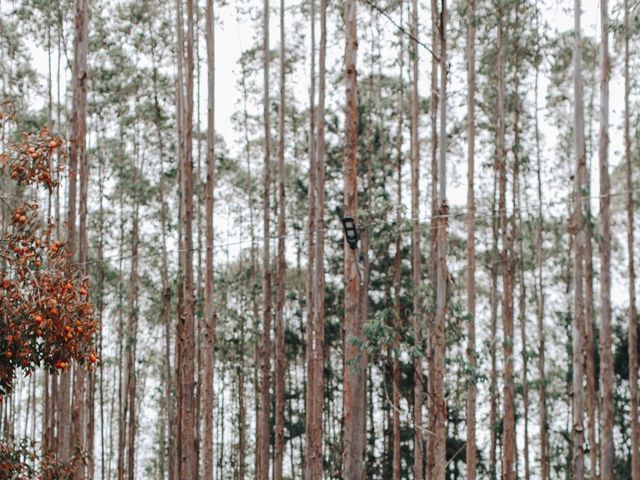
x: 46, y: 318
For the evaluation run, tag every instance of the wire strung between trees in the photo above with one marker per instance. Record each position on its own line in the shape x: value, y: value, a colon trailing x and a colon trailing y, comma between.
x: 461, y: 214
x: 402, y: 30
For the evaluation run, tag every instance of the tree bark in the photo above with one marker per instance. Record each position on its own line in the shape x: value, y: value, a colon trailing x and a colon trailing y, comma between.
x: 310, y: 425
x: 438, y: 411
x: 317, y: 353
x: 542, y: 403
x: 354, y: 365
x: 416, y: 254
x: 471, y: 454
x: 576, y: 228
x: 509, y: 450
x: 78, y: 156
x: 265, y: 399
x: 186, y: 462
x: 128, y: 419
x: 633, y: 325
x: 396, y: 466
x: 433, y: 264
x: 607, y: 454
x: 210, y: 313
x: 282, y: 266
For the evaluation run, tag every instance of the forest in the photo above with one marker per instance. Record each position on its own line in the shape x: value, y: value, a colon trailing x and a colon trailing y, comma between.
x: 314, y: 239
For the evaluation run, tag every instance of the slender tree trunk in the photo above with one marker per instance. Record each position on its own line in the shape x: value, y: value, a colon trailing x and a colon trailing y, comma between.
x: 79, y: 157
x: 265, y: 399
x: 316, y: 384
x: 311, y: 448
x: 252, y: 267
x: 509, y: 453
x: 132, y: 332
x: 47, y: 377
x: 590, y: 347
x: 522, y: 294
x: 396, y: 467
x: 416, y: 254
x: 187, y: 467
x: 166, y: 289
x: 210, y: 314
x: 471, y: 454
x: 494, y: 300
x: 121, y: 349
x: 310, y: 336
x: 438, y: 411
x: 542, y: 403
x: 607, y: 454
x: 576, y: 229
x: 433, y: 112
x: 354, y: 365
x: 281, y: 268
x: 633, y: 326
x: 242, y: 409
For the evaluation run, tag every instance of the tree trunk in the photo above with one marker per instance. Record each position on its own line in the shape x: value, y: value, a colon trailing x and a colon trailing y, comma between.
x: 576, y: 228
x: 471, y: 454
x: 432, y: 269
x: 265, y: 399
x: 78, y: 156
x: 590, y: 347
x: 396, y: 466
x: 210, y: 314
x: 542, y: 404
x: 633, y: 326
x: 310, y: 458
x: 129, y: 392
x: 317, y: 354
x: 186, y: 464
x: 438, y: 410
x: 354, y: 365
x: 509, y: 450
x: 281, y: 268
x: 416, y: 254
x: 607, y: 454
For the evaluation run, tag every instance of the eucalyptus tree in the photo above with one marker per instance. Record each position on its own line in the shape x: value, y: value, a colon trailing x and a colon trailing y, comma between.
x: 633, y: 329
x: 607, y: 449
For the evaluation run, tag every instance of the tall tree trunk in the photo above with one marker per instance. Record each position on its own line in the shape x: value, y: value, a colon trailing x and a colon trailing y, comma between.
x: 265, y: 399
x: 187, y: 467
x: 169, y: 449
x: 607, y: 454
x: 590, y: 347
x: 522, y: 294
x: 471, y: 454
x: 79, y: 157
x: 210, y: 314
x: 396, y: 467
x: 509, y: 450
x: 129, y: 392
x: 354, y: 365
x: 494, y: 300
x: 633, y: 326
x: 281, y: 268
x: 311, y: 452
x: 576, y: 228
x: 438, y: 411
x: 317, y: 347
x: 416, y: 254
x: 542, y: 403
x: 433, y: 263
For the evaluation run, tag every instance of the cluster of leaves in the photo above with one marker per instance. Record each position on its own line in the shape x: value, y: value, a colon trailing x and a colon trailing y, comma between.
x: 46, y: 318
x: 19, y: 461
x: 14, y: 460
